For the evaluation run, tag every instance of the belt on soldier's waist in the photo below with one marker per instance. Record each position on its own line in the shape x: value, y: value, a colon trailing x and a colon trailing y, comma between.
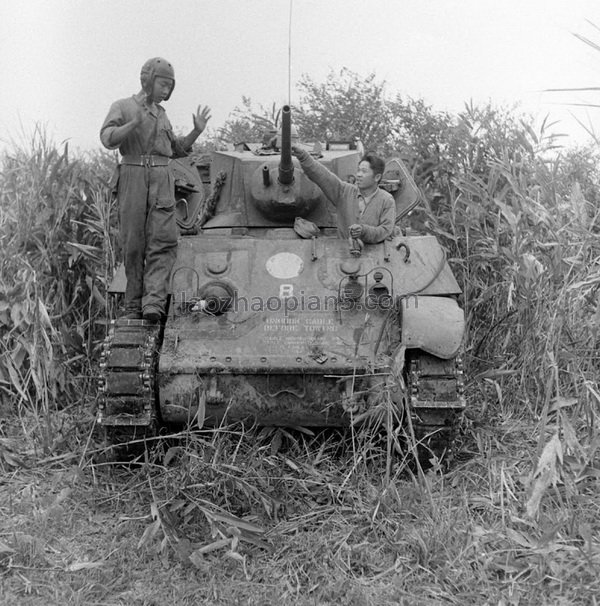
x: 145, y: 160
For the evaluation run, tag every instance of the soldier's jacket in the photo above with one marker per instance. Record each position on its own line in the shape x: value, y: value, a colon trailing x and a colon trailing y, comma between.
x: 153, y: 136
x: 145, y: 193
x: 378, y: 216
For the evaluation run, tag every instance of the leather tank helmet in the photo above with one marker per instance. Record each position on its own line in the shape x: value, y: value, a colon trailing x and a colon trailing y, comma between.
x: 157, y: 67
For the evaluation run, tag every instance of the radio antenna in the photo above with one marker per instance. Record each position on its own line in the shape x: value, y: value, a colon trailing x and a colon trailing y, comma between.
x: 290, y: 55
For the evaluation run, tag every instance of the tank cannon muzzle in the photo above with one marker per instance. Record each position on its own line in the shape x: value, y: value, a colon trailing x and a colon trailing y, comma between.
x: 286, y: 167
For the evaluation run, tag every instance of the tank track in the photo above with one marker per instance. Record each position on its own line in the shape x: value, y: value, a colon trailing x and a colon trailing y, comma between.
x: 437, y: 400
x: 126, y: 406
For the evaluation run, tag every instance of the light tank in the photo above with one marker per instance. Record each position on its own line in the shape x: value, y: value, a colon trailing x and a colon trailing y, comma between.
x: 278, y: 322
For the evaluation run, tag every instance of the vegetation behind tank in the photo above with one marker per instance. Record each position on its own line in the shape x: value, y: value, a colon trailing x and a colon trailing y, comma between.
x: 522, y: 228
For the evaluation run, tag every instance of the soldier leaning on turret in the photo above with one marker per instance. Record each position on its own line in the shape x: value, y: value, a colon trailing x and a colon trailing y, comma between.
x: 364, y: 211
x: 138, y: 126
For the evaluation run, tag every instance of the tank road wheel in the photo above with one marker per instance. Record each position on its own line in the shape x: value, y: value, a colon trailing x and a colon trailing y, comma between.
x: 127, y: 386
x: 436, y: 403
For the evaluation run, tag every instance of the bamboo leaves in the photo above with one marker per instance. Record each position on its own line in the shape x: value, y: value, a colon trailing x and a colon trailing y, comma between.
x: 53, y: 229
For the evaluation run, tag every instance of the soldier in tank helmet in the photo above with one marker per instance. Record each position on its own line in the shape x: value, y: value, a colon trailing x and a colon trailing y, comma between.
x: 139, y: 128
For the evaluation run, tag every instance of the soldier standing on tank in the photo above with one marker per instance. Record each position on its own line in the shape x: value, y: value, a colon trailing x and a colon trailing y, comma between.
x: 138, y: 126
x: 365, y: 212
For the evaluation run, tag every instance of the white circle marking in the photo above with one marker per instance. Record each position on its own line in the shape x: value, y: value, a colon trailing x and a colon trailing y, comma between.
x: 285, y: 265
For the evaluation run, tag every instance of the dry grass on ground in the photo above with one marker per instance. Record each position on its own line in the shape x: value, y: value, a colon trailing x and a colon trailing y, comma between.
x: 266, y: 517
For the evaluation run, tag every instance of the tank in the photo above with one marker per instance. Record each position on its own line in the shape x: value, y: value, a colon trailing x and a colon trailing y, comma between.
x: 274, y: 319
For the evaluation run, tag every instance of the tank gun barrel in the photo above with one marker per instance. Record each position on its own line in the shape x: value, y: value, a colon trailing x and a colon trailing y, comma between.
x: 286, y: 168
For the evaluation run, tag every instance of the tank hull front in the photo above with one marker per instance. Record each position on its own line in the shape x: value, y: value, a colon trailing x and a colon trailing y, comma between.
x: 291, y: 348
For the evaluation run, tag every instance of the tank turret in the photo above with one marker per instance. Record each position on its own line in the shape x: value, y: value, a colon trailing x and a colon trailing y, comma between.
x: 276, y: 192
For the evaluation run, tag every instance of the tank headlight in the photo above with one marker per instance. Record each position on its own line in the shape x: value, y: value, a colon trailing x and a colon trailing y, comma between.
x: 214, y: 298
x: 352, y: 290
x: 379, y: 293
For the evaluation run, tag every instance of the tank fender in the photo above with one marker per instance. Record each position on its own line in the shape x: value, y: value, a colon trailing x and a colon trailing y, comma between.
x: 434, y: 324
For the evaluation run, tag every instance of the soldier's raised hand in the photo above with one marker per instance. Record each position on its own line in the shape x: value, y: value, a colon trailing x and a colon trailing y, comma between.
x: 201, y: 117
x: 299, y: 153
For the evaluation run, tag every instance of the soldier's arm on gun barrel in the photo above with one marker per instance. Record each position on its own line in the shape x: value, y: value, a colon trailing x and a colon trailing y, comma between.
x: 373, y: 234
x: 117, y: 126
x: 333, y: 187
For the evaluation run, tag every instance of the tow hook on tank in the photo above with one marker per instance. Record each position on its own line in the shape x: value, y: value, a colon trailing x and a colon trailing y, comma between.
x: 292, y: 384
x: 212, y: 396
x: 350, y: 399
x: 404, y: 245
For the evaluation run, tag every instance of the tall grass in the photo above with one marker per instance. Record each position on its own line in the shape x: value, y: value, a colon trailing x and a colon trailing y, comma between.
x: 526, y: 241
x: 56, y: 226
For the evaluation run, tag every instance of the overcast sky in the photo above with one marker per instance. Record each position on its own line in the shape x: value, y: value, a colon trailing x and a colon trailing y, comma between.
x: 63, y: 62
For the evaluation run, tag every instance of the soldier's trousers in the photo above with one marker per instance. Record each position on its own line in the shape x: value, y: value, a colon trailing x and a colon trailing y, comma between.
x: 148, y: 231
